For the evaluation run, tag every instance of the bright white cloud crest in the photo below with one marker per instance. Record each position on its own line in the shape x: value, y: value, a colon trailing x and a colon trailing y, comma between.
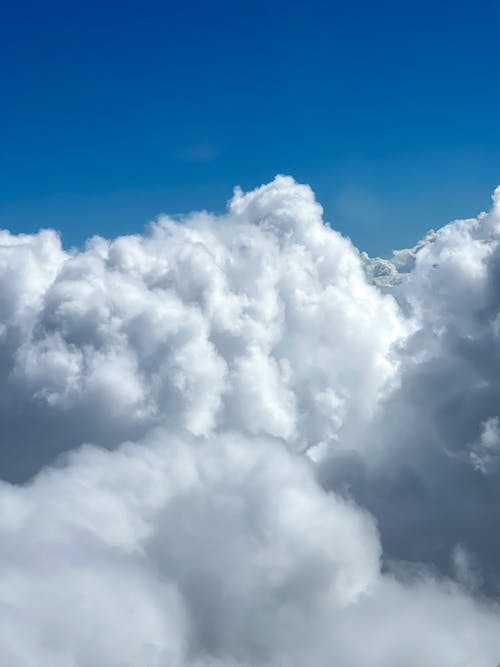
x: 203, y: 362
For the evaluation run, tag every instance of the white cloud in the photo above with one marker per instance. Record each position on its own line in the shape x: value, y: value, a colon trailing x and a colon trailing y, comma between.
x: 179, y: 551
x: 246, y: 321
x: 433, y: 438
x: 485, y: 453
x: 201, y: 361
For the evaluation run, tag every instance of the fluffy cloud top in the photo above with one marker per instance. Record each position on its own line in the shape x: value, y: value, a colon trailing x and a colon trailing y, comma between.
x: 259, y: 321
x: 204, y: 429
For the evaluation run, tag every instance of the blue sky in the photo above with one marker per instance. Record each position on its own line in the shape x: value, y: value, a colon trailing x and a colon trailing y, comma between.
x: 114, y: 112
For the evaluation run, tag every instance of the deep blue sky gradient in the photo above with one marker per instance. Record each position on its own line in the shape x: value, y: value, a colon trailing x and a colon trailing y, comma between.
x: 113, y: 112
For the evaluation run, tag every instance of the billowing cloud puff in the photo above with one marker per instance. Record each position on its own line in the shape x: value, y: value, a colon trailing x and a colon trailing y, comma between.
x: 223, y: 551
x: 260, y: 320
x: 205, y: 427
x: 430, y: 470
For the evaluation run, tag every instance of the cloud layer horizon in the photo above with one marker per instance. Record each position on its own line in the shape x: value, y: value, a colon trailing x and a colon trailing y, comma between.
x: 236, y: 440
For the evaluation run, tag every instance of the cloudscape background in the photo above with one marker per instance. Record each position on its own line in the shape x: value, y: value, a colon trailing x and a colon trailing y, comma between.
x: 238, y: 440
x: 249, y: 334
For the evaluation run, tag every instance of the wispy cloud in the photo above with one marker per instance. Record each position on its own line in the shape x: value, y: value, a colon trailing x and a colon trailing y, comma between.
x: 204, y: 151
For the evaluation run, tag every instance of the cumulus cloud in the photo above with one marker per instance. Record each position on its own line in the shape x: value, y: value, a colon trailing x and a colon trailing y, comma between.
x: 226, y: 443
x: 260, y: 320
x: 430, y: 473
